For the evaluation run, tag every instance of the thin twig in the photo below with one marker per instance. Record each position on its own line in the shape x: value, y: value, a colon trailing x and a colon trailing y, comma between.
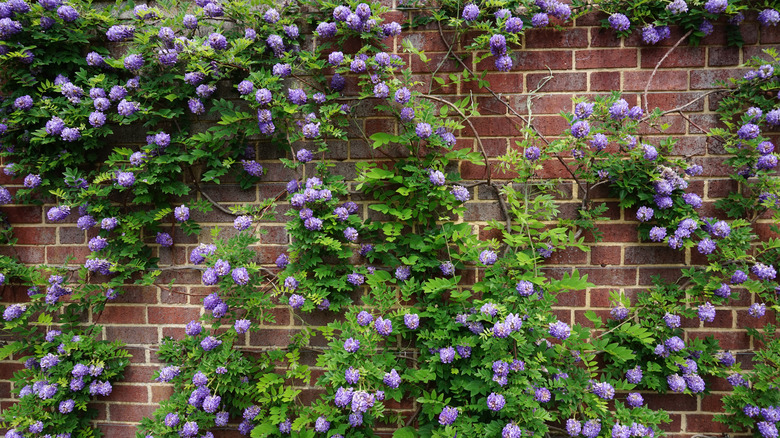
x: 208, y: 198
x: 652, y: 75
x: 488, y: 170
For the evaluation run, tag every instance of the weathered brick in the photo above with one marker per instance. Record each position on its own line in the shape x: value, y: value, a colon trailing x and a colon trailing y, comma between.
x: 599, y: 58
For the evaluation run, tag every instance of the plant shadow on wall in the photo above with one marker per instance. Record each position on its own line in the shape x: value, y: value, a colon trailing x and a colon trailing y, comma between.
x: 435, y: 319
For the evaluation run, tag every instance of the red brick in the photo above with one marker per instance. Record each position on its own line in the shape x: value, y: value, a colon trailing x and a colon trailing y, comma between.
x: 33, y: 255
x: 722, y: 56
x: 34, y: 235
x: 123, y: 314
x: 550, y: 38
x: 614, y: 276
x: 770, y: 35
x: 653, y: 255
x: 23, y: 215
x: 604, y: 80
x: 667, y: 101
x: 705, y: 79
x: 60, y: 254
x: 605, y: 255
x: 172, y: 315
x: 118, y: 430
x: 129, y: 393
x: 130, y: 412
x: 132, y: 335
x: 704, y: 423
x: 664, y: 80
x: 527, y: 60
x: 600, y: 58
x: 498, y: 82
x: 682, y: 56
x: 559, y: 82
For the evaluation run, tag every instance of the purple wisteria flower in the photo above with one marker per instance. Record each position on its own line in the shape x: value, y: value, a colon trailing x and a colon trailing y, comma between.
x: 738, y: 277
x: 619, y: 22
x: 351, y: 345
x: 296, y: 301
x: 580, y: 129
x: 769, y: 17
x: 764, y: 272
x: 392, y: 379
x: 436, y: 177
x: 644, y: 214
x: 449, y: 414
x: 707, y: 312
x: 423, y: 130
x: 364, y: 318
x: 559, y: 330
x: 412, y: 321
x: 495, y: 402
x: 488, y: 257
x: 532, y: 153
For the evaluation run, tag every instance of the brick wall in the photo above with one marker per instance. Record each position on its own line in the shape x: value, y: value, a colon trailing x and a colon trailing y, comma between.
x: 582, y: 60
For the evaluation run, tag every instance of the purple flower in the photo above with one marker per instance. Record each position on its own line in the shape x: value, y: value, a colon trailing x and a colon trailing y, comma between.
x: 716, y: 6
x: 757, y: 310
x: 134, y: 62
x: 240, y: 276
x: 573, y: 427
x: 559, y: 330
x: 513, y: 25
x: 495, y: 402
x: 364, y: 318
x: 351, y: 345
x: 383, y: 326
x: 542, y: 395
x: 164, y: 239
x: 769, y: 17
x: 326, y: 30
x: 352, y: 375
x: 391, y: 29
x: 619, y: 110
x: 488, y: 257
x: 503, y: 63
x: 412, y: 321
x: 738, y: 277
x: 634, y: 375
x: 619, y: 313
x: 436, y: 177
x: 449, y: 414
x: 650, y: 153
x: 470, y: 12
x: 460, y: 193
x: 67, y: 13
x: 676, y: 383
x: 619, y: 22
x: 313, y: 224
x: 209, y: 343
x: 532, y: 153
x: 580, y: 129
x: 644, y: 214
x: 296, y: 301
x: 764, y: 272
x: 402, y: 273
x: 748, y: 131
x: 707, y: 312
x: 423, y: 130
x: 23, y: 103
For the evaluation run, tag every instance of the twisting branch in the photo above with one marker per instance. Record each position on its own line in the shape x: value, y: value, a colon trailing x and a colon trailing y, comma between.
x: 208, y: 198
x: 488, y: 171
x: 657, y: 65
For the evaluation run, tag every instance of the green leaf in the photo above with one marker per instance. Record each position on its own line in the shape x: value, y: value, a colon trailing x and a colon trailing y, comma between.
x: 405, y: 432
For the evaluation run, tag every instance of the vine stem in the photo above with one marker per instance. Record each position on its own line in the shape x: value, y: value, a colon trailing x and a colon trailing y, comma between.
x: 207, y: 197
x: 658, y: 64
x: 488, y: 170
